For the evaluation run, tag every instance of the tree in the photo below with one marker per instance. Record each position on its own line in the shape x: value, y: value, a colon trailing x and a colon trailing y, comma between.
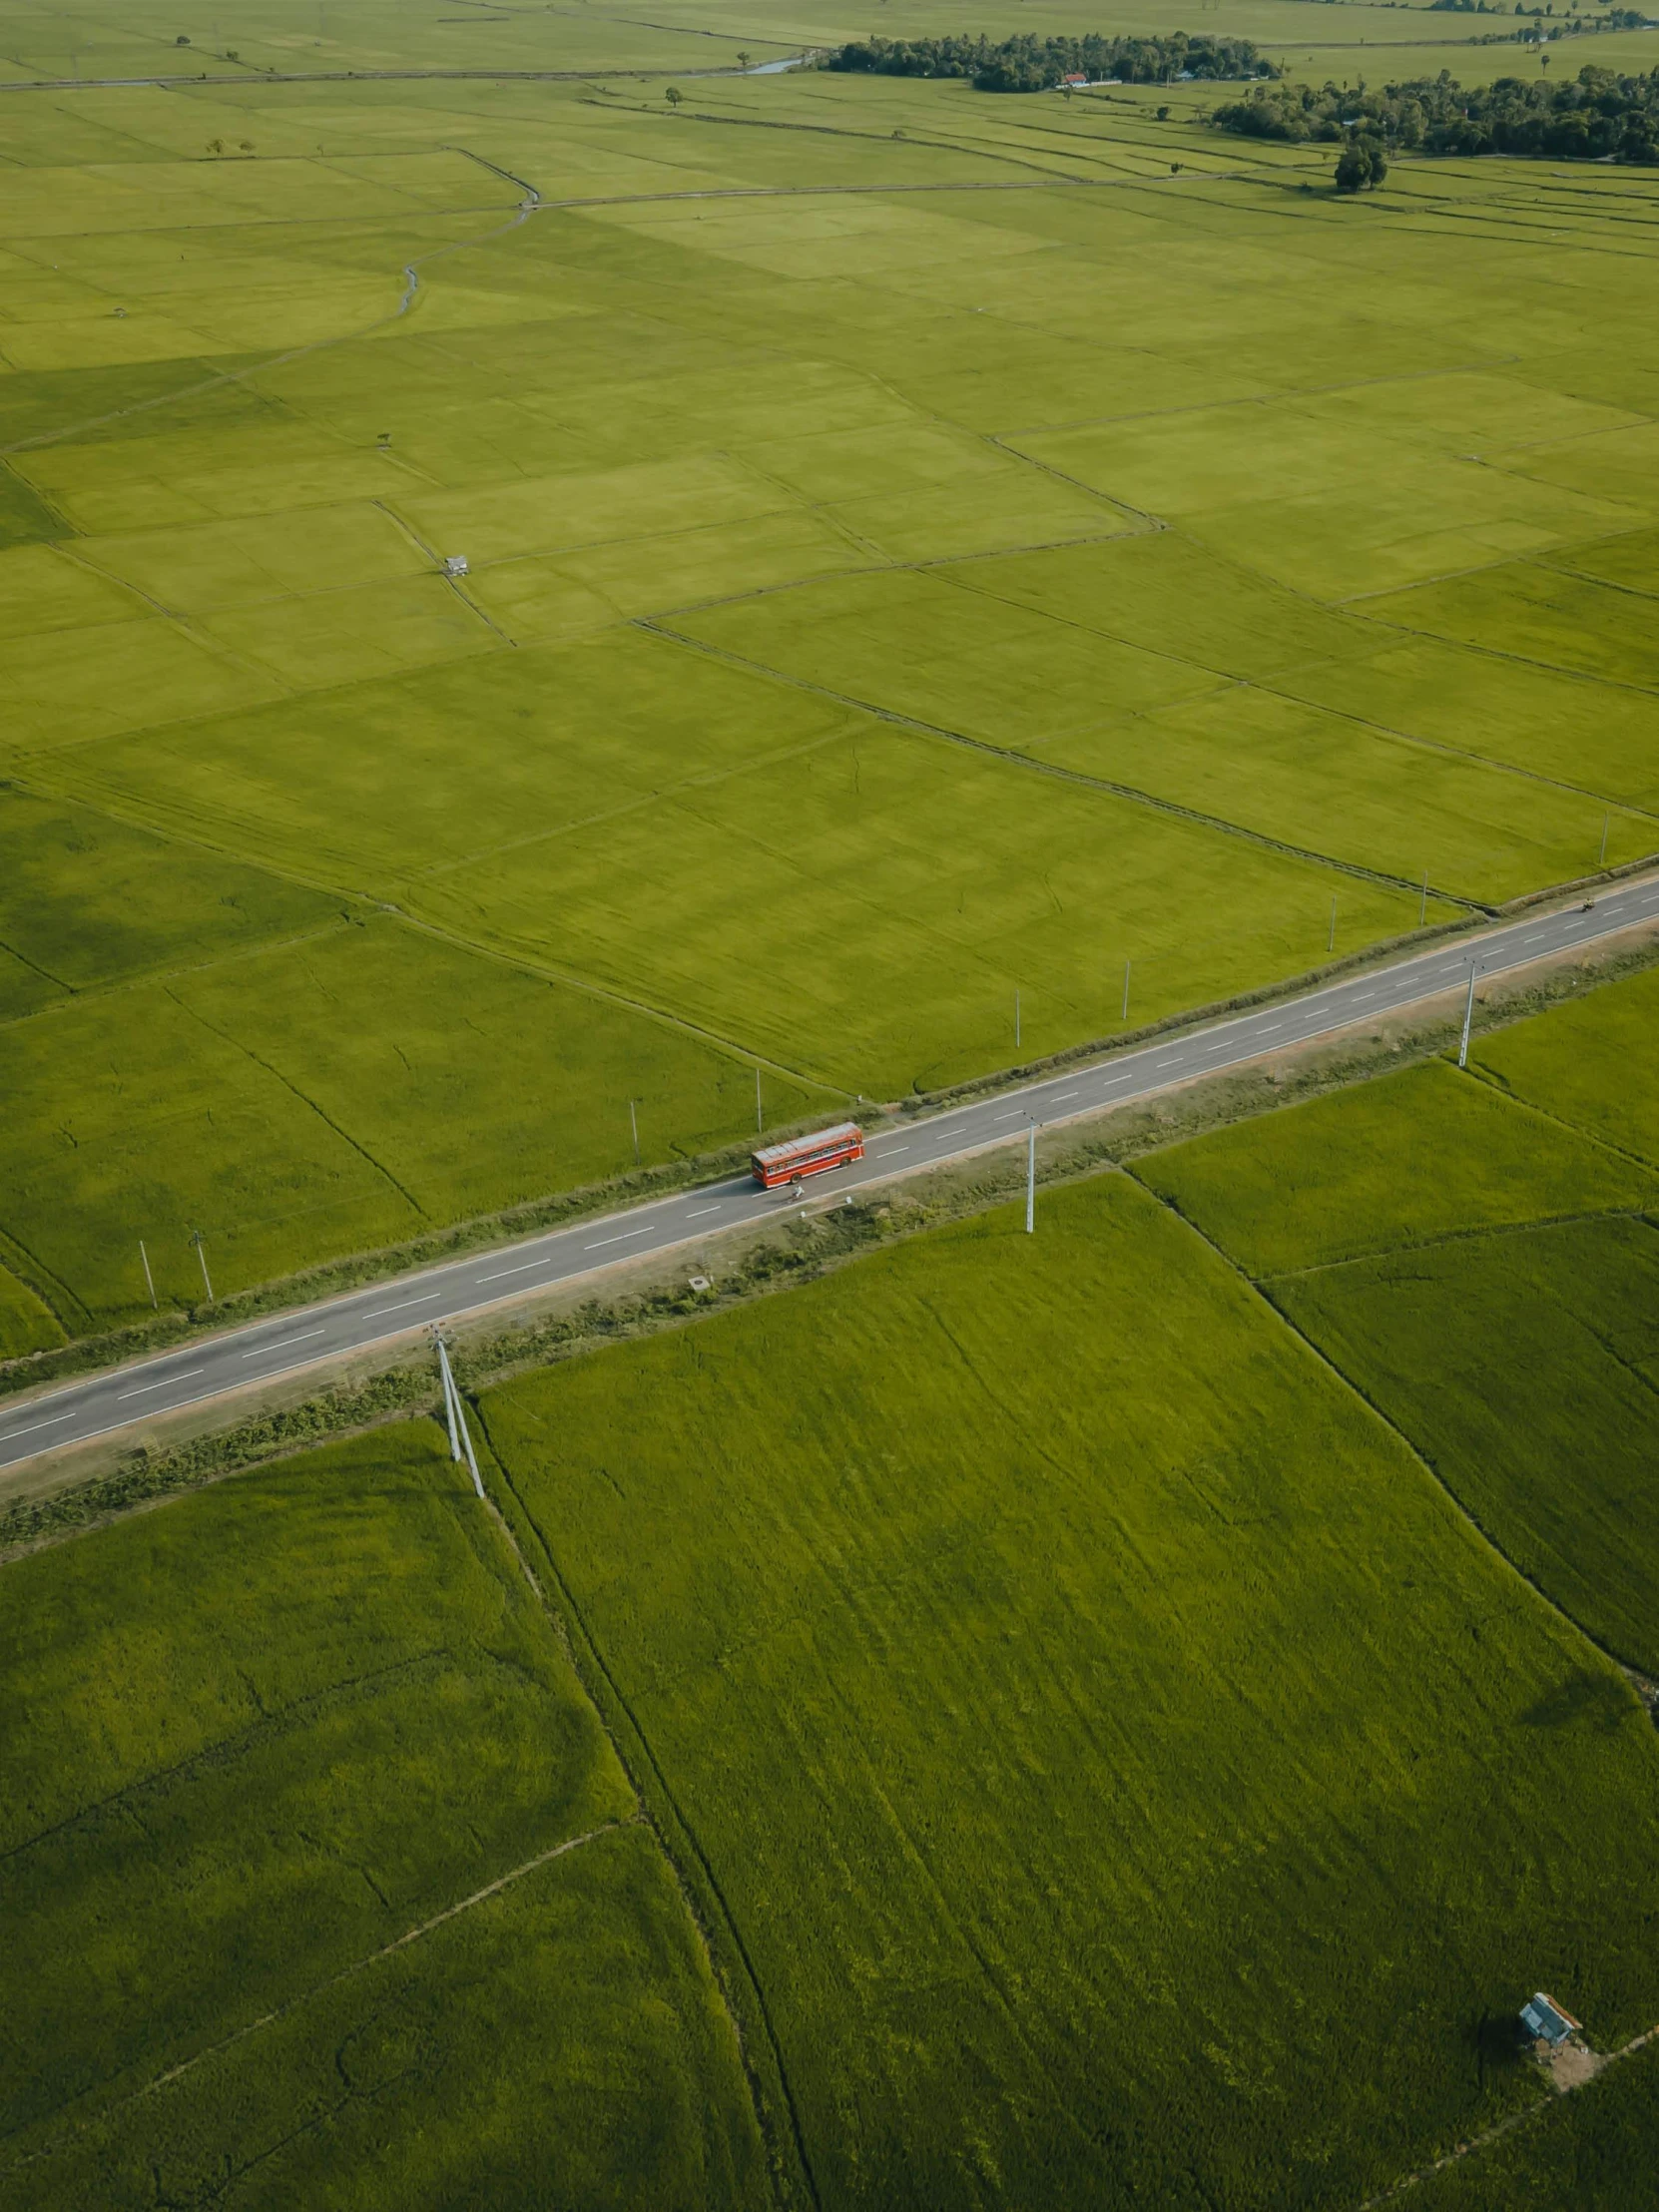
x: 674, y: 96
x: 1361, y: 164
x: 743, y: 62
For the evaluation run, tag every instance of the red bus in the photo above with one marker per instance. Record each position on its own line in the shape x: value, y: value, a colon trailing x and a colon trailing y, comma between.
x: 825, y: 1148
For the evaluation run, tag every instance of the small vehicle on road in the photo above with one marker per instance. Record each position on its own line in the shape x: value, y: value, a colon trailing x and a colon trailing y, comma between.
x: 801, y: 1156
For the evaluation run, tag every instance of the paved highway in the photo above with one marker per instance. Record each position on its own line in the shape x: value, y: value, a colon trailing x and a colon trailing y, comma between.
x: 278, y: 1344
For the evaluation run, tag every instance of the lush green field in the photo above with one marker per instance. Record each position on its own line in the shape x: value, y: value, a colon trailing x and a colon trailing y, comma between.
x: 1128, y: 1776
x: 1412, y: 1160
x: 1584, y: 1065
x: 920, y: 545
x: 1590, y: 2153
x: 319, y: 1888
x: 1485, y: 1272
x: 351, y: 1089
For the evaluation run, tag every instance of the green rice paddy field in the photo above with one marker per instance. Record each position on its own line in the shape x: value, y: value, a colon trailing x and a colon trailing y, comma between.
x: 920, y: 546
x: 1122, y: 1716
x: 324, y: 1884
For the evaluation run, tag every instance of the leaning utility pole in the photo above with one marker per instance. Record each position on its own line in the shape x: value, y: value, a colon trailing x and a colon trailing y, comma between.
x: 460, y: 1436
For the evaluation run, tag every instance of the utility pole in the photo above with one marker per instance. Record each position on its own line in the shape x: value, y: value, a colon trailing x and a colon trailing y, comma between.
x: 760, y: 1125
x: 148, y: 1276
x: 634, y: 1124
x: 1330, y: 941
x: 1031, y: 1181
x: 1423, y: 904
x: 199, y: 1241
x: 448, y: 1400
x: 1126, y: 990
x: 1468, y: 1017
x: 457, y: 1417
x: 1016, y: 1017
x: 1601, y: 856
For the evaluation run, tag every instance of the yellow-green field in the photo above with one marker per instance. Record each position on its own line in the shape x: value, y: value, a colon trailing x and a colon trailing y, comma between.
x: 920, y: 545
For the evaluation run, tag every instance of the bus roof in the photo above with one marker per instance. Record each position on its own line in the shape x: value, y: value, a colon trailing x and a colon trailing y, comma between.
x: 802, y: 1148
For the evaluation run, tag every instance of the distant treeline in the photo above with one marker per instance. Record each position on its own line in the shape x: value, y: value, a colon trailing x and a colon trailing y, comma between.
x: 1030, y: 64
x: 1615, y: 19
x: 1600, y: 116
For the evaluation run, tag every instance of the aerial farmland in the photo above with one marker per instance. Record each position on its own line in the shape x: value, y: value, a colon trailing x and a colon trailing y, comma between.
x: 1057, y: 607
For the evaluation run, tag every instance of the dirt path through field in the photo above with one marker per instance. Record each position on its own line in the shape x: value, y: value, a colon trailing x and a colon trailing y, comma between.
x: 1571, y: 2067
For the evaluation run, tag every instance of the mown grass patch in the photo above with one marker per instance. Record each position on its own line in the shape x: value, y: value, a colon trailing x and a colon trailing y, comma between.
x: 256, y: 1739
x: 1116, y: 1754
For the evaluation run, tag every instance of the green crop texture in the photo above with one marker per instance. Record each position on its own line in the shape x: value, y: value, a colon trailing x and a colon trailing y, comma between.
x: 324, y: 1884
x: 920, y: 545
x: 1590, y: 2153
x: 1478, y: 1254
x: 1127, y: 1774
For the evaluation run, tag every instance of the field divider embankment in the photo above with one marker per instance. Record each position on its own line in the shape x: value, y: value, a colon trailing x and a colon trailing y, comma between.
x: 245, y: 80
x: 160, y: 2082
x: 1108, y: 785
x: 1495, y: 652
x: 975, y: 150
x: 1477, y: 1233
x: 705, y: 1898
x: 407, y: 300
x: 268, y: 1067
x: 1459, y: 1509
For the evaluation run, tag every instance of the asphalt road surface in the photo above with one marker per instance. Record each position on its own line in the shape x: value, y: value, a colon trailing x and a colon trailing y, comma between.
x: 281, y: 1343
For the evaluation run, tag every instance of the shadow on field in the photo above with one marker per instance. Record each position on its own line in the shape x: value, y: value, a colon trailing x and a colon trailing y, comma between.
x: 1498, y: 2042
x: 1594, y: 1698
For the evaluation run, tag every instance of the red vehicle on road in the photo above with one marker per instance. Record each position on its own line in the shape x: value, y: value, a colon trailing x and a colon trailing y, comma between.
x: 801, y: 1156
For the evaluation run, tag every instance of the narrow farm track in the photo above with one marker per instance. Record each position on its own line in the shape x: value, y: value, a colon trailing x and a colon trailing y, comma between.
x: 289, y: 1342
x: 332, y: 1982
x: 1515, y: 2120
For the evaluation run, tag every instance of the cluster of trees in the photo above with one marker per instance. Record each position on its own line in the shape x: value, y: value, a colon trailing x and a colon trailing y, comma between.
x: 1570, y: 26
x: 1030, y: 64
x: 1602, y: 115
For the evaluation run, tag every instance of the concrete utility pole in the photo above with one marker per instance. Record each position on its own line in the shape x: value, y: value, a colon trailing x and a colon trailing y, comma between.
x: 1330, y: 941
x: 634, y: 1124
x: 1601, y: 856
x: 1016, y: 1017
x: 148, y: 1276
x: 1423, y: 904
x: 199, y: 1241
x: 457, y: 1419
x: 1031, y: 1181
x: 760, y: 1125
x: 1468, y: 1017
x: 1126, y: 990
